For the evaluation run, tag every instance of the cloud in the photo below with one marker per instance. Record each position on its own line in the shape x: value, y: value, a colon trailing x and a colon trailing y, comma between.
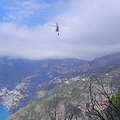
x: 23, y: 10
x: 89, y: 29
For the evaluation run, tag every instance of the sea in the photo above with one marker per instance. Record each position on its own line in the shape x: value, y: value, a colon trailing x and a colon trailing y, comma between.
x: 4, y: 114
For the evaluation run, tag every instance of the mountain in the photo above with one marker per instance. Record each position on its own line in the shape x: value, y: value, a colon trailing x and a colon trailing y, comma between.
x: 112, y: 59
x: 66, y: 95
x: 23, y: 81
x: 12, y: 71
x: 20, y: 79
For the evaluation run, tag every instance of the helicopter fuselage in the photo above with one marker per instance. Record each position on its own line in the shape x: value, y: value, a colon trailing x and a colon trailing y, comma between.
x: 57, y: 28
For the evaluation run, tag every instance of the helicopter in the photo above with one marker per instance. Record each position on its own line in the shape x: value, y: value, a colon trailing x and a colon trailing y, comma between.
x: 57, y: 28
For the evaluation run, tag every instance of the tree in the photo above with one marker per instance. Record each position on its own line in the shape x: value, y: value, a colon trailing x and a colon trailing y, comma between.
x: 114, y: 109
x: 51, y: 108
x: 103, y: 104
x: 54, y: 113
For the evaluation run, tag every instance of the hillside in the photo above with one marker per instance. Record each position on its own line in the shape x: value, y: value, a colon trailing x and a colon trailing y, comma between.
x: 12, y: 71
x: 22, y: 81
x: 64, y: 96
x: 72, y: 91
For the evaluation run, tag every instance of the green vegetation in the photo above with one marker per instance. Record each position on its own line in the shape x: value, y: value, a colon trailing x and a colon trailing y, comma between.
x: 113, y: 110
x: 70, y: 100
x: 64, y: 99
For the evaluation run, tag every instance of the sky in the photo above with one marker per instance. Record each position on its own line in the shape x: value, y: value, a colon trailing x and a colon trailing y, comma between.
x: 88, y: 28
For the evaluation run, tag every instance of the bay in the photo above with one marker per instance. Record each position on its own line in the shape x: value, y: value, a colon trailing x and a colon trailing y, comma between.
x: 4, y: 114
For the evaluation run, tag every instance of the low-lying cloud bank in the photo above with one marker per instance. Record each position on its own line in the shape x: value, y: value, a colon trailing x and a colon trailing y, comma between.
x: 89, y: 29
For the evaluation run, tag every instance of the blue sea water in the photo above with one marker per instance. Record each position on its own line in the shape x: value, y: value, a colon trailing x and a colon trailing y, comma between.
x: 4, y: 114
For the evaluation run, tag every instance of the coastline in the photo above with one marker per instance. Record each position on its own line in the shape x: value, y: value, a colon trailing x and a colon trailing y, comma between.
x: 7, y: 108
x: 4, y: 112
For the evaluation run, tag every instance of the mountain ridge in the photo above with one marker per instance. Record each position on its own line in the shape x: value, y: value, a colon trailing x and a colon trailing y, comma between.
x: 28, y: 77
x: 68, y: 94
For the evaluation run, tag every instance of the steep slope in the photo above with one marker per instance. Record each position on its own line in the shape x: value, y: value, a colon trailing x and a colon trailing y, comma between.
x: 112, y: 59
x: 64, y: 97
x: 12, y: 71
x: 22, y: 81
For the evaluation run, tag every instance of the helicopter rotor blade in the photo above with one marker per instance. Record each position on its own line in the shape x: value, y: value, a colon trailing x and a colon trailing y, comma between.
x: 52, y: 25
